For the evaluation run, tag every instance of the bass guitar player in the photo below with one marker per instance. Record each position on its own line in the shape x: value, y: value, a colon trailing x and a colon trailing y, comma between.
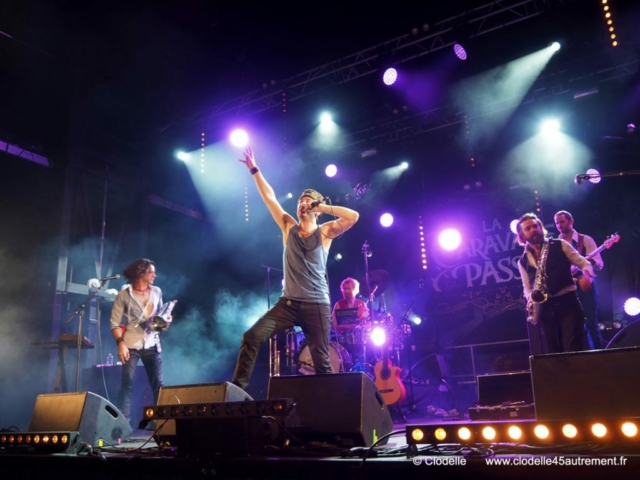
x: 587, y: 290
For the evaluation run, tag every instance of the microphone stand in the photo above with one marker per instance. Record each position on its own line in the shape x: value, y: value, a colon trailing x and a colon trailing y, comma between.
x: 367, y: 253
x: 403, y: 320
x: 274, y: 353
x: 80, y: 312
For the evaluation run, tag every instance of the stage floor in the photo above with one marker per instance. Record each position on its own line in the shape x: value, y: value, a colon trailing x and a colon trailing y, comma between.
x: 140, y: 457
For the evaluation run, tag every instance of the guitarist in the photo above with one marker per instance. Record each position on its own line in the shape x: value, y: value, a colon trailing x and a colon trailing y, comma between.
x: 587, y: 291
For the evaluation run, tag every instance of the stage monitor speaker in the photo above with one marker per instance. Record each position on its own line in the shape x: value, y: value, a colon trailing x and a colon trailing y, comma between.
x: 205, y: 392
x: 583, y: 385
x: 629, y: 336
x: 344, y: 409
x: 89, y: 414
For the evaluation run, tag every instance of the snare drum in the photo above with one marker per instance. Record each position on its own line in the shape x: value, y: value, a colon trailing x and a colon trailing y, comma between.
x: 338, y: 356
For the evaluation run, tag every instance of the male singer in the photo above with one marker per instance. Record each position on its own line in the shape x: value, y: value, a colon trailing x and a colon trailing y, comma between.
x: 305, y: 298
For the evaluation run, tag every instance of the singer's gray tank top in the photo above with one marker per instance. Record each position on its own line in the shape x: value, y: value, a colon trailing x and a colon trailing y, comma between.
x: 305, y: 266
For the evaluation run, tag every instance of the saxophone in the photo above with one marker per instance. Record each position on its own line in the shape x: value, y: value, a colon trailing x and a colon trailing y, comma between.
x: 539, y: 294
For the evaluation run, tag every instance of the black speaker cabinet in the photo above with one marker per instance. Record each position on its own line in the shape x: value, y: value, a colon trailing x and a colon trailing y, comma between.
x: 344, y: 409
x: 104, y: 380
x: 205, y: 392
x: 583, y: 385
x: 89, y: 414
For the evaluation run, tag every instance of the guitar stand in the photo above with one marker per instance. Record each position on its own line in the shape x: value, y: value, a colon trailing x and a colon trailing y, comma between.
x: 397, y: 414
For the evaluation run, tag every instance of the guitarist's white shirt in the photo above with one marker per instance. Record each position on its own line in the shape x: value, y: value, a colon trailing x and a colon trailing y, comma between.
x: 589, y: 246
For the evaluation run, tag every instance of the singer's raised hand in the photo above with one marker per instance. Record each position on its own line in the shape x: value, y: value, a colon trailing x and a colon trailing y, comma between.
x: 249, y: 158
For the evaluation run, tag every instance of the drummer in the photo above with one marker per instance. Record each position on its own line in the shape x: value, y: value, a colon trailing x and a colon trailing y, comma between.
x: 350, y: 288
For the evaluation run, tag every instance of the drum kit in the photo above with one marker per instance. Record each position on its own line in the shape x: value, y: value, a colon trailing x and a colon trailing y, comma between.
x: 354, y: 347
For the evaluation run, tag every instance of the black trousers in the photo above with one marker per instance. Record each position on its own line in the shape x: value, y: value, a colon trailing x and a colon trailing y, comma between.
x: 560, y: 327
x: 313, y: 318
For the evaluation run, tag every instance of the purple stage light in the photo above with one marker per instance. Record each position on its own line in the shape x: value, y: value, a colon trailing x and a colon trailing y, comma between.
x: 460, y: 52
x: 449, y: 239
x: 594, y: 175
x: 378, y: 336
x: 390, y: 76
x: 331, y: 171
x: 632, y: 306
x: 239, y: 138
x: 386, y: 220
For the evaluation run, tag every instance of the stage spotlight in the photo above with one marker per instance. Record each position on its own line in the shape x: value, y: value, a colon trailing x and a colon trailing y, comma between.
x: 489, y: 433
x: 404, y: 165
x: 449, y: 239
x: 549, y: 127
x: 513, y: 226
x: 542, y: 432
x: 183, y: 156
x: 386, y: 220
x: 390, y: 76
x: 514, y: 432
x: 629, y: 429
x: 326, y: 118
x: 331, y: 171
x: 632, y: 306
x: 569, y: 430
x: 599, y: 430
x: 555, y: 46
x: 239, y: 138
x: 414, y: 318
x: 464, y: 434
x: 460, y: 52
x: 378, y: 336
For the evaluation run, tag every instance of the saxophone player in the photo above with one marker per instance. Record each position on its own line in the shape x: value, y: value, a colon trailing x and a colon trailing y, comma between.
x: 556, y: 316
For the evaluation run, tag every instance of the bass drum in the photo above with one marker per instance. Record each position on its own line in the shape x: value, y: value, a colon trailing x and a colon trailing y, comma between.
x: 338, y: 356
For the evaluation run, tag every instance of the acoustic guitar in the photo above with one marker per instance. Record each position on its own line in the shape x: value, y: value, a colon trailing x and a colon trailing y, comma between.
x: 388, y: 380
x: 587, y: 285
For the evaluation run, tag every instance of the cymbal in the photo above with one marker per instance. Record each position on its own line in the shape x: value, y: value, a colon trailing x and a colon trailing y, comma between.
x: 377, y: 278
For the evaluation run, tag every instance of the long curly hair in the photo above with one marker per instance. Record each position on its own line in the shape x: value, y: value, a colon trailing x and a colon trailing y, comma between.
x: 137, y: 269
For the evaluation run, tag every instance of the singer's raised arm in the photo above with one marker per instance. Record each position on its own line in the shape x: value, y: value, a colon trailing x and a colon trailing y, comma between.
x: 282, y: 218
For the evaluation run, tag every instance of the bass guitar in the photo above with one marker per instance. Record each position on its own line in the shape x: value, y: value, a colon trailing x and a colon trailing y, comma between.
x: 584, y: 284
x: 388, y: 380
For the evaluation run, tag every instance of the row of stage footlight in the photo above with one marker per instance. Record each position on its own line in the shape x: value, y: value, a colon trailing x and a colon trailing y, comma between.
x: 271, y: 418
x: 530, y: 432
x: 266, y: 421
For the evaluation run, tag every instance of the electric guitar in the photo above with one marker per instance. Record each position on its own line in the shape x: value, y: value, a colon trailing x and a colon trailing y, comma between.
x: 584, y: 284
x: 388, y: 380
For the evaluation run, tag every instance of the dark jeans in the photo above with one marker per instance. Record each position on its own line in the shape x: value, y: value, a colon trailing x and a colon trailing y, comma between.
x: 313, y: 318
x: 561, y: 325
x: 589, y: 301
x: 152, y: 361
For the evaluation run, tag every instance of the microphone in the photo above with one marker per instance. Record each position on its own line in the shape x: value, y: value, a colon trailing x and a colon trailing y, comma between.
x: 112, y: 277
x: 578, y: 179
x: 318, y: 202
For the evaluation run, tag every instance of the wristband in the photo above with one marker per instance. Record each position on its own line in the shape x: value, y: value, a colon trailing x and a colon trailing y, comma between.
x: 118, y: 340
x: 254, y: 170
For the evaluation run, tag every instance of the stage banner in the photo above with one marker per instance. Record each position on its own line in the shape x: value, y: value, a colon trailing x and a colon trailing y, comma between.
x: 476, y: 289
